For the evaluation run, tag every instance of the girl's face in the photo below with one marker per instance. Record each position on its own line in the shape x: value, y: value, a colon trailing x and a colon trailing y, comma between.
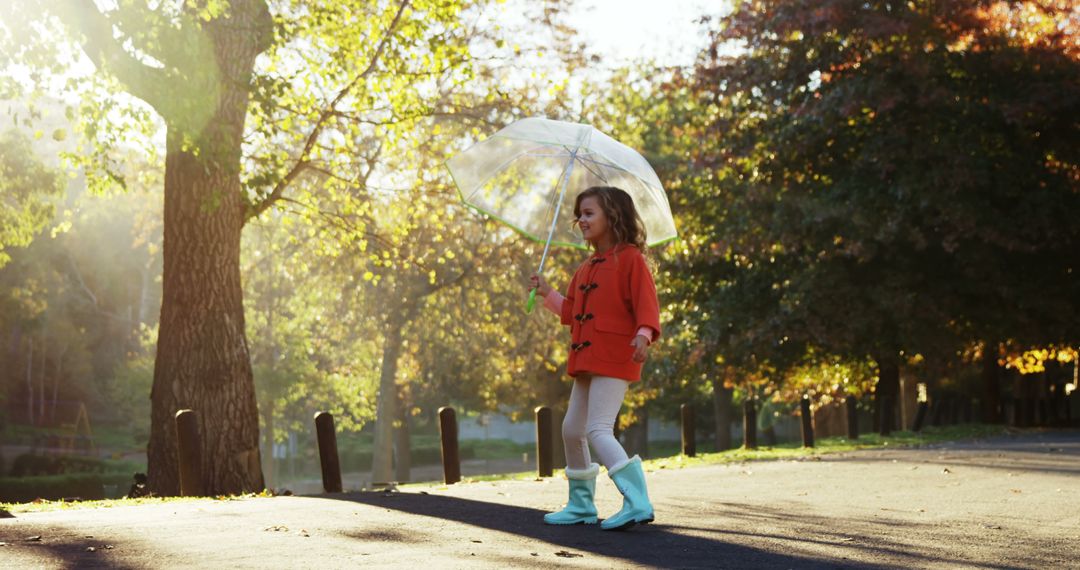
x: 593, y: 222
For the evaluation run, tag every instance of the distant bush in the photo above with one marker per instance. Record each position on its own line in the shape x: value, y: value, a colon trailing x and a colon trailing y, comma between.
x: 28, y: 464
x: 84, y: 486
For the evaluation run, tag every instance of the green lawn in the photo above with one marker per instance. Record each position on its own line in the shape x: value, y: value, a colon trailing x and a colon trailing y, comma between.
x: 794, y: 450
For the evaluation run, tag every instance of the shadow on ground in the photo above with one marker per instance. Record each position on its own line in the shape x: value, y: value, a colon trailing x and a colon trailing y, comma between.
x: 657, y: 545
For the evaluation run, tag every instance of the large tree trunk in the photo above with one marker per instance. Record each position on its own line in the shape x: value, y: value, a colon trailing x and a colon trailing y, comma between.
x: 722, y: 412
x: 203, y: 361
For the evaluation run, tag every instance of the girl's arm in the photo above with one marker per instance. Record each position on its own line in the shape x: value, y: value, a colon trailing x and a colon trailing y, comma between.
x: 643, y: 297
x: 554, y: 302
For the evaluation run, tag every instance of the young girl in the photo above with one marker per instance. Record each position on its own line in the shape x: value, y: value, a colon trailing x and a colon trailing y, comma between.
x: 614, y: 316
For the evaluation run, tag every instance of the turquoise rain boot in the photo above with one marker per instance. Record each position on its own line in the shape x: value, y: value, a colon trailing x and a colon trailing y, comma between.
x: 636, y: 508
x: 580, y: 509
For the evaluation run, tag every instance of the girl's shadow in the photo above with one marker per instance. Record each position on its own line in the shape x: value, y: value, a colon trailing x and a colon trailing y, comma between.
x: 652, y: 545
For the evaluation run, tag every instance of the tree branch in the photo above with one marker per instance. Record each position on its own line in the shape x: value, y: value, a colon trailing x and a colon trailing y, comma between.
x: 303, y: 161
x: 108, y: 54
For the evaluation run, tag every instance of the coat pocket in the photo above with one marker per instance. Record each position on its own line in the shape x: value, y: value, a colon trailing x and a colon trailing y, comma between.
x: 613, y: 338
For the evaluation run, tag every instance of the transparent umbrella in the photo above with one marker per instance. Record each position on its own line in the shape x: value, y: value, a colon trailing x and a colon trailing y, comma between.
x: 528, y: 174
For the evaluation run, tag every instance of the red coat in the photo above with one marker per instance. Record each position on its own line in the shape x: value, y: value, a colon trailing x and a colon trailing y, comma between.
x: 611, y: 296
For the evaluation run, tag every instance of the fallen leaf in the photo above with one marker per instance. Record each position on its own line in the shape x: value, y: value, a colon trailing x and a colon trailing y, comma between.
x: 566, y: 554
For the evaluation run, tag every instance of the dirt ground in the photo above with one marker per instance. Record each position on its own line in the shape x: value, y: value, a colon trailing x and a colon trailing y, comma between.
x: 1009, y: 502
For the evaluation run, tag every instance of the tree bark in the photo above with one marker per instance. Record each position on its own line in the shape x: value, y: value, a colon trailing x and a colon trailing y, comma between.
x: 888, y: 387
x: 991, y: 404
x: 30, y: 381
x: 402, y: 449
x: 203, y: 362
x: 723, y: 412
x: 386, y: 405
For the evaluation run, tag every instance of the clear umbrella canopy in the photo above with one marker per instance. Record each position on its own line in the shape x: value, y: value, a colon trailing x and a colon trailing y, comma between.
x: 528, y: 174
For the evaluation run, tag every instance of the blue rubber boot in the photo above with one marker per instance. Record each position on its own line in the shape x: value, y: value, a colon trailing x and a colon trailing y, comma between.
x: 636, y: 508
x: 580, y: 509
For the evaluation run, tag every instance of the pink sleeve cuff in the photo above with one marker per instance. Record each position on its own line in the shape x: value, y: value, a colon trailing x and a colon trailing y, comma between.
x: 648, y: 333
x: 554, y: 301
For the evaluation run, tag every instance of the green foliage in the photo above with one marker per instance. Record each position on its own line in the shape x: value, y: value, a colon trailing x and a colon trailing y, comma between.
x: 27, y: 187
x: 859, y: 180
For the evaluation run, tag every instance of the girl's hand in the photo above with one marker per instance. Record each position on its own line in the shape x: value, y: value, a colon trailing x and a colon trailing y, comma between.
x: 542, y: 288
x: 641, y: 348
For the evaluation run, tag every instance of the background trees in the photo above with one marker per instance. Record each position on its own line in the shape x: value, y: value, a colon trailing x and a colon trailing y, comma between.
x: 890, y: 178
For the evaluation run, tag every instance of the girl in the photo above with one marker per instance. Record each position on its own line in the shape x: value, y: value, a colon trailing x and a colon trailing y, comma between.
x: 613, y: 314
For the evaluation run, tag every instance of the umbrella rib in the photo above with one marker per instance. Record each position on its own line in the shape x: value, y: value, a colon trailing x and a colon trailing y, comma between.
x: 594, y: 172
x: 612, y: 164
x: 503, y: 166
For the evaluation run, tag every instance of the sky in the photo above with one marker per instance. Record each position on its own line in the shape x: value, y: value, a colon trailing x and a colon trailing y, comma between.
x: 624, y: 30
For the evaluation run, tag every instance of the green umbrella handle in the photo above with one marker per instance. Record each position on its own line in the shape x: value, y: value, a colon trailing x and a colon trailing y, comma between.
x: 532, y: 301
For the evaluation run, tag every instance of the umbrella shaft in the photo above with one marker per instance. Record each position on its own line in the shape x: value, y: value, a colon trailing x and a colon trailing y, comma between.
x: 558, y: 206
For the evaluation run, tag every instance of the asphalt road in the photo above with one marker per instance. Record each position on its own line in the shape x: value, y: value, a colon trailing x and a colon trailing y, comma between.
x: 1009, y: 502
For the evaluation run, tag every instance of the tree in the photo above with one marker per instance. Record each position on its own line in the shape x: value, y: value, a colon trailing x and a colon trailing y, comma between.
x: 894, y: 177
x: 198, y: 66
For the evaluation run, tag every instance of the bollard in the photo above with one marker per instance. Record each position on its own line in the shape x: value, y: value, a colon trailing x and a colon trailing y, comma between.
x: 689, y: 445
x: 544, y: 445
x: 449, y: 437
x: 807, y: 422
x: 749, y: 424
x: 189, y: 452
x: 328, y: 452
x: 920, y: 417
x: 852, y: 404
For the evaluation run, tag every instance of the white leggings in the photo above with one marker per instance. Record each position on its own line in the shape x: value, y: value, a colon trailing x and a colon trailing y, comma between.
x: 590, y: 419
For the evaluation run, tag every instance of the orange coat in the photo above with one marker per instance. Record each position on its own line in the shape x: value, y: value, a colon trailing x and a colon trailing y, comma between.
x: 611, y: 296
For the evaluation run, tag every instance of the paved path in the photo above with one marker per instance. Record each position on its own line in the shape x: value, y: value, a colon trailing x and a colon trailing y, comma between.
x: 1010, y: 502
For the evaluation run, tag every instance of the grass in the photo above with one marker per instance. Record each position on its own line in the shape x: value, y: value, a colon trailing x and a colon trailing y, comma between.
x: 791, y: 450
x: 40, y: 506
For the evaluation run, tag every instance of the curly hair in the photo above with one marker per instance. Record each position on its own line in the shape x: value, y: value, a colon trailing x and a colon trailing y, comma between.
x: 618, y: 207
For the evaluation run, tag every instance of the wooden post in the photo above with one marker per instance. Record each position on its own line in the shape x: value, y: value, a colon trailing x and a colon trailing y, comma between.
x: 920, y: 417
x: 689, y: 443
x: 544, y: 445
x: 328, y: 452
x: 749, y: 424
x: 448, y: 433
x: 852, y: 404
x: 807, y: 422
x: 189, y: 453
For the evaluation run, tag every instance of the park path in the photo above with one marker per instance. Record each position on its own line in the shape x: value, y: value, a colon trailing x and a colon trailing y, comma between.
x: 1006, y: 502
